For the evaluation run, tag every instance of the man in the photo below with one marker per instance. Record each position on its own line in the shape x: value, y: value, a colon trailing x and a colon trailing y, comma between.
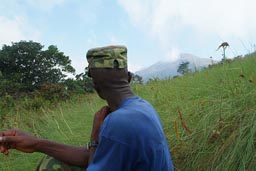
x: 127, y: 134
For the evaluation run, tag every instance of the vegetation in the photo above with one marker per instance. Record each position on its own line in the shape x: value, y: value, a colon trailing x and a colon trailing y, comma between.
x: 136, y: 79
x: 33, y: 77
x: 209, y: 118
x: 27, y: 65
x: 183, y: 68
x: 223, y: 45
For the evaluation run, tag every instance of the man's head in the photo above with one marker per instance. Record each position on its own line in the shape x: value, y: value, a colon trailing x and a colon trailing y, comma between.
x: 108, y: 69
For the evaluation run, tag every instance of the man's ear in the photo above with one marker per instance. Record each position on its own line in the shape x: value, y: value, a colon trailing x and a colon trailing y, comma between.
x: 129, y: 76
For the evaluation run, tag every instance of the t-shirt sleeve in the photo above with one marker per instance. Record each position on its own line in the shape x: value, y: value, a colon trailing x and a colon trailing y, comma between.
x: 109, y: 156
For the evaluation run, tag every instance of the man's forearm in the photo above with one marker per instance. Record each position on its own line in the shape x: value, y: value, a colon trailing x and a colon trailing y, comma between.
x: 73, y: 155
x: 91, y: 155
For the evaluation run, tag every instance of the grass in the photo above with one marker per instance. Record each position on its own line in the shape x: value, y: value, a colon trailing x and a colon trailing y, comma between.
x: 68, y: 122
x: 209, y: 118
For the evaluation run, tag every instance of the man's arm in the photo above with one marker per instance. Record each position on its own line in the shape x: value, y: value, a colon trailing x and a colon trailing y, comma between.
x: 78, y: 156
x: 73, y: 155
x: 21, y: 141
x: 97, y: 122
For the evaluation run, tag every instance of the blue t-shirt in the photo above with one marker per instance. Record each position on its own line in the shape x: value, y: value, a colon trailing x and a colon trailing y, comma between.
x: 132, y: 139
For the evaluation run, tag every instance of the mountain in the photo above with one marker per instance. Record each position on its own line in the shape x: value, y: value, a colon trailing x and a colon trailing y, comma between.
x: 165, y: 69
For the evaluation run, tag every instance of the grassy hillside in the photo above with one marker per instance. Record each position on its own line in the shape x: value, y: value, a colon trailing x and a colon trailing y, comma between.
x: 209, y: 119
x: 68, y: 122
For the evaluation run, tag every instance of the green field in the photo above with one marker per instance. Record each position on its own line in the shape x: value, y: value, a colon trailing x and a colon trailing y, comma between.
x: 209, y: 118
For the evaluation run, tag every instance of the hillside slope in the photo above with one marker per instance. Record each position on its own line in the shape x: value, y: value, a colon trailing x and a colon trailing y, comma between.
x: 209, y: 118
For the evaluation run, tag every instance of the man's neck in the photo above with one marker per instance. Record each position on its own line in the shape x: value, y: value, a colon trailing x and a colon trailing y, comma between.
x: 115, y: 98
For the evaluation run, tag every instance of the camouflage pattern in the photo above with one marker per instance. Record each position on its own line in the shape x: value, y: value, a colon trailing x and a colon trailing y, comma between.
x: 49, y: 163
x: 105, y: 57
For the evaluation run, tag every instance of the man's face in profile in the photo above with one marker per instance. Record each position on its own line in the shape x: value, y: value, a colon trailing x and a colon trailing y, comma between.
x: 98, y: 80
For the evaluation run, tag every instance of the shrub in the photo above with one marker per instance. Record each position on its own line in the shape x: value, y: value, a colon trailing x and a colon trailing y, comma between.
x: 51, y: 91
x: 6, y: 104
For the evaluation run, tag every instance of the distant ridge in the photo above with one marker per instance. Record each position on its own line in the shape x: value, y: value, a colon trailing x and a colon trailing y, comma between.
x: 166, y: 69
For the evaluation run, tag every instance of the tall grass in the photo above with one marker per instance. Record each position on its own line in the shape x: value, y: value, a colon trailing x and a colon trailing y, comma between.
x: 209, y: 118
x: 68, y: 122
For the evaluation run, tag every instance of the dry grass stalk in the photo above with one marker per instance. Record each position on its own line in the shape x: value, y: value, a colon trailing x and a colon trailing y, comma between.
x: 176, y: 130
x: 183, y: 123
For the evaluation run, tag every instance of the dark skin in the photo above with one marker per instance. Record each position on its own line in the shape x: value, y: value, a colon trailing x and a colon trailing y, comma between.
x: 111, y: 85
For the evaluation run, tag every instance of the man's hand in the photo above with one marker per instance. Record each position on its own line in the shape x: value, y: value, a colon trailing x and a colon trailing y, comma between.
x: 98, y: 120
x: 22, y: 141
x: 17, y: 139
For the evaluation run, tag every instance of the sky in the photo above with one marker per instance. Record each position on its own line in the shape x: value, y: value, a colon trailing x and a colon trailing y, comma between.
x: 152, y: 30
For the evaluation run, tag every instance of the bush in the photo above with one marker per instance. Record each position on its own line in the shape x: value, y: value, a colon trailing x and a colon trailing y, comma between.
x: 33, y: 104
x: 9, y: 87
x: 51, y: 91
x: 7, y: 103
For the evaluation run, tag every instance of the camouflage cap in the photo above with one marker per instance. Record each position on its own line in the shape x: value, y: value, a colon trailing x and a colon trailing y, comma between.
x: 107, y: 57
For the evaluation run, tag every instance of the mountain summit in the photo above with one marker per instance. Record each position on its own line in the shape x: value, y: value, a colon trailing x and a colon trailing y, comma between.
x: 166, y: 69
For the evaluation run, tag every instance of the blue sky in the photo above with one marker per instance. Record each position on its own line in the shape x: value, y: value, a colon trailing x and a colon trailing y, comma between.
x: 153, y: 30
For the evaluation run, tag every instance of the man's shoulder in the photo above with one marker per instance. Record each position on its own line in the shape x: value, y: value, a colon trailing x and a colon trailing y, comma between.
x: 132, y: 103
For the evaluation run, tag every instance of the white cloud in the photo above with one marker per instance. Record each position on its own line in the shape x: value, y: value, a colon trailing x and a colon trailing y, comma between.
x: 16, y: 29
x: 134, y: 67
x: 14, y: 19
x: 9, y: 30
x: 167, y: 20
x: 79, y: 64
x: 220, y: 16
x: 173, y: 54
x: 138, y: 11
x: 226, y: 18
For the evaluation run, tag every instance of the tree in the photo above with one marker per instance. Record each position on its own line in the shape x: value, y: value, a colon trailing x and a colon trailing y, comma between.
x: 85, y: 81
x: 183, y: 68
x: 26, y: 63
x: 82, y: 83
x: 136, y: 79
